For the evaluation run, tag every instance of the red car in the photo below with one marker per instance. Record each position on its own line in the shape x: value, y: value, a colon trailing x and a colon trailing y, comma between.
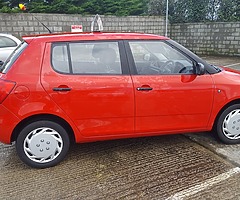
x: 59, y: 88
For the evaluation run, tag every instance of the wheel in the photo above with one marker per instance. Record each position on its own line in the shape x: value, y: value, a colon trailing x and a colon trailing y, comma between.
x: 42, y: 144
x: 228, y: 125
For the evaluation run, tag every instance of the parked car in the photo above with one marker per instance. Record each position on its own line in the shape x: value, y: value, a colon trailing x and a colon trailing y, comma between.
x: 84, y: 87
x: 7, y: 45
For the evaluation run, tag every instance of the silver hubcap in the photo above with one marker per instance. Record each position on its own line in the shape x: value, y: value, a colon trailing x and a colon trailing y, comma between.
x: 43, y: 145
x: 231, y: 125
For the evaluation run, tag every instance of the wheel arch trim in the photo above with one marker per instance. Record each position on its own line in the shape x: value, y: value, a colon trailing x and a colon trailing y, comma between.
x: 37, y: 117
x: 235, y: 101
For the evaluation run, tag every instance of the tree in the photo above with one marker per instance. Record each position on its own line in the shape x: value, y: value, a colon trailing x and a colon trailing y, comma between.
x: 155, y: 7
x: 227, y: 10
x: 213, y: 8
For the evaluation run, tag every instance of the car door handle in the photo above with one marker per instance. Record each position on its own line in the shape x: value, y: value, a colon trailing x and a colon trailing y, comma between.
x: 144, y: 88
x: 59, y: 89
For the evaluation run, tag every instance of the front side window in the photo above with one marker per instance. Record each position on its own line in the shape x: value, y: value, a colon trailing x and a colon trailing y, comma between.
x: 87, y: 58
x: 7, y: 42
x: 157, y: 57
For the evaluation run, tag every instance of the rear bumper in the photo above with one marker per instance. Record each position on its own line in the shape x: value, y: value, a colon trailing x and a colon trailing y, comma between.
x: 8, y: 122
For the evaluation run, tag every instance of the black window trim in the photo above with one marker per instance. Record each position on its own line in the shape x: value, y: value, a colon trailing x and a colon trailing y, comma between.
x: 122, y: 54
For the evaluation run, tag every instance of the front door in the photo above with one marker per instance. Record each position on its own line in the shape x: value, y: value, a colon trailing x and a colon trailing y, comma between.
x: 169, y: 96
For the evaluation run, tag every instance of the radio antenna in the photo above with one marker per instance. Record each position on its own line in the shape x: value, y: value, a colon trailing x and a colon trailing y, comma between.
x: 23, y: 7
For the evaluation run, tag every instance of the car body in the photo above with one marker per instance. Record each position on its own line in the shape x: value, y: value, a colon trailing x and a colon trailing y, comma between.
x: 7, y: 45
x: 85, y: 87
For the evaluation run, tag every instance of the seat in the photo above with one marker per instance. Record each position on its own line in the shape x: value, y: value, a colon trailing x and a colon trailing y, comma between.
x: 106, y: 60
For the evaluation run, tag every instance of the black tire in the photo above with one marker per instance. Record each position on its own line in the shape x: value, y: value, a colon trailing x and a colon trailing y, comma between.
x: 229, y: 123
x: 42, y: 144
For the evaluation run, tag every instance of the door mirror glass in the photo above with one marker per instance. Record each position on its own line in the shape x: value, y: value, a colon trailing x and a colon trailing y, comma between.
x: 200, y: 69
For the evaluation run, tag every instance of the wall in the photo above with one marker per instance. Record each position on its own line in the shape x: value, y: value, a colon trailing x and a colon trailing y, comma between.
x: 202, y: 38
x: 25, y: 23
x: 219, y: 38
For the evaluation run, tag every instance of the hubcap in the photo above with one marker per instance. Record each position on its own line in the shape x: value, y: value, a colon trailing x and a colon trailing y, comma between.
x: 231, y: 125
x: 43, y: 145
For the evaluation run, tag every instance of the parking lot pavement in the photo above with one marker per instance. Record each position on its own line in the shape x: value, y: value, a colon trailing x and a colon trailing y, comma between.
x: 232, y: 62
x: 195, y: 166
x: 144, y: 168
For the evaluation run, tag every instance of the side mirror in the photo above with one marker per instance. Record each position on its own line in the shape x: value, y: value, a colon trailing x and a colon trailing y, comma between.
x: 200, y: 69
x: 1, y: 63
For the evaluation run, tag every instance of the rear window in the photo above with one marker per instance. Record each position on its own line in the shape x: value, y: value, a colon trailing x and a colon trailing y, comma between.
x: 7, y: 42
x: 13, y: 57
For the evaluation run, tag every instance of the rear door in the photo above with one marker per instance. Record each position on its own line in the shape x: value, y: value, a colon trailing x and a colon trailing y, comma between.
x: 168, y: 94
x: 91, y: 83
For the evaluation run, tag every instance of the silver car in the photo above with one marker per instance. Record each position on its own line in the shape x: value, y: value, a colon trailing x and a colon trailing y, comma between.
x: 7, y: 44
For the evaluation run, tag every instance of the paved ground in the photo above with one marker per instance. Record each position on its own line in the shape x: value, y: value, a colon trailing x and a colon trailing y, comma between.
x: 191, y: 166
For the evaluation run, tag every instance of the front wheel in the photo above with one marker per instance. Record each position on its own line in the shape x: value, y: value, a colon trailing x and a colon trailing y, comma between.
x: 42, y: 144
x: 228, y: 125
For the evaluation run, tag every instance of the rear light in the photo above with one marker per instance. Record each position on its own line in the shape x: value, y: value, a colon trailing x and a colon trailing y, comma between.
x: 5, y: 89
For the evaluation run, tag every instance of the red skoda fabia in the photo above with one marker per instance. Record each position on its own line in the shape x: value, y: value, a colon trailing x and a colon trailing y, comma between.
x: 59, y: 88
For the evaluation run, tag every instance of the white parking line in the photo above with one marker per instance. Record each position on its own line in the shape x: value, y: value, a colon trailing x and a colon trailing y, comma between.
x: 210, y: 182
x: 232, y: 65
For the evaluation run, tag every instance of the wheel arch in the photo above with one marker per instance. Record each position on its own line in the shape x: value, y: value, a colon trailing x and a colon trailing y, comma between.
x: 38, y: 117
x: 236, y: 101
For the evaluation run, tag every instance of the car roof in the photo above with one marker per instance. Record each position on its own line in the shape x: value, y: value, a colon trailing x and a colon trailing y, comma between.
x: 92, y: 36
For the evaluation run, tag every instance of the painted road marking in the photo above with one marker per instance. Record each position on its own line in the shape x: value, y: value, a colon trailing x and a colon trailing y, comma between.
x: 232, y: 65
x: 208, y: 183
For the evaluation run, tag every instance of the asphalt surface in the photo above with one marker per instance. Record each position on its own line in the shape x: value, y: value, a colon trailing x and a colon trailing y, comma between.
x: 190, y: 166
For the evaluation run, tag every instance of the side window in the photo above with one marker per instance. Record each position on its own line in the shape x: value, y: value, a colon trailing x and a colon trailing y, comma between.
x: 95, y: 58
x: 156, y: 57
x: 60, y: 61
x: 7, y: 42
x: 87, y: 58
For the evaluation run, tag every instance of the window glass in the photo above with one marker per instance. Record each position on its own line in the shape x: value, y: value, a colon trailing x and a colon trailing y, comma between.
x: 87, y: 58
x: 156, y: 57
x: 7, y: 42
x: 60, y: 60
x: 95, y: 58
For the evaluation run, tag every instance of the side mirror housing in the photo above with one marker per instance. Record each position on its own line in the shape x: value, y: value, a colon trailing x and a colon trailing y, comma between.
x: 200, y: 69
x: 1, y: 63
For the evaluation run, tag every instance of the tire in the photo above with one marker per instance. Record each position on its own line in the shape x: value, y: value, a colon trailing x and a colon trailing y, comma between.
x: 228, y: 125
x: 42, y: 144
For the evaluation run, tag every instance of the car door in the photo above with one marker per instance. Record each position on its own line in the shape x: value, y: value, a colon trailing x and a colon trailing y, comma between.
x: 169, y: 96
x: 91, y: 83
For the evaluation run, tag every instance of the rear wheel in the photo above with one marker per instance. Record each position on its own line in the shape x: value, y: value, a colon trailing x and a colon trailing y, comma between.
x: 228, y: 125
x: 42, y: 144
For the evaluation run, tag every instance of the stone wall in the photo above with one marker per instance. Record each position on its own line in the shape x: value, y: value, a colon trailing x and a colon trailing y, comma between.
x: 219, y: 38
x: 26, y: 23
x: 202, y: 38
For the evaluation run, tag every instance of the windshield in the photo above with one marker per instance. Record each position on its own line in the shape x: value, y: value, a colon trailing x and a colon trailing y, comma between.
x: 13, y: 57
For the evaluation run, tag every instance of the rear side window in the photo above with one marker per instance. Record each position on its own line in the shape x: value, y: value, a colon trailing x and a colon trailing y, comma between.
x: 87, y: 58
x: 60, y: 58
x: 7, y: 42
